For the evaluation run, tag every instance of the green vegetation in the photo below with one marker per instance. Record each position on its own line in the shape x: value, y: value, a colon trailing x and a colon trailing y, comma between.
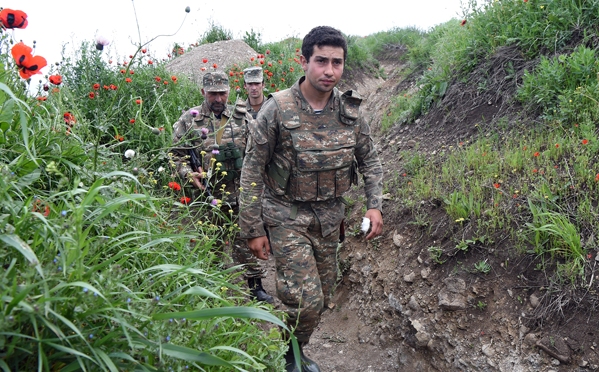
x: 106, y: 265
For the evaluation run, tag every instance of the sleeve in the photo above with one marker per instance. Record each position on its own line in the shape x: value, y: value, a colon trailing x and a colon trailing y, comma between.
x: 260, y: 144
x: 179, y: 153
x: 369, y: 166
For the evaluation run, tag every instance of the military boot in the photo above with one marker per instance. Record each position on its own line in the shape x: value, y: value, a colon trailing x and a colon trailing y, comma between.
x: 257, y: 291
x: 308, y: 365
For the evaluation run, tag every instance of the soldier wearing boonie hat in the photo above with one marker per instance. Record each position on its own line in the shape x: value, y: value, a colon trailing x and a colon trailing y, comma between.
x: 253, y: 83
x: 216, y: 133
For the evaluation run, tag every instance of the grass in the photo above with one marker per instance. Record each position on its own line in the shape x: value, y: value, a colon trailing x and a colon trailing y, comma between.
x: 103, y: 270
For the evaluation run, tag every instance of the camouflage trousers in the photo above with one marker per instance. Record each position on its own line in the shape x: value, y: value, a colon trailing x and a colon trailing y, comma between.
x: 306, y: 269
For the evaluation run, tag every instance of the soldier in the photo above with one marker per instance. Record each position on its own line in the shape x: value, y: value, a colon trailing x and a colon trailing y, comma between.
x: 253, y: 83
x: 208, y: 145
x: 305, y: 149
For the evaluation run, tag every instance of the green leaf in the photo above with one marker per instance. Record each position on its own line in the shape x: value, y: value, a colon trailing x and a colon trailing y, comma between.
x: 192, y: 355
x: 16, y: 242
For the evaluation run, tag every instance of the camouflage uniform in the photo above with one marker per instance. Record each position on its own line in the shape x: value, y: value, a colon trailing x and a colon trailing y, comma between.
x: 188, y: 136
x: 307, y: 161
x: 251, y: 109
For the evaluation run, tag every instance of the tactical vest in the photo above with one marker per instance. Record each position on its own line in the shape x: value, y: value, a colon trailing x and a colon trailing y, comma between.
x: 315, y: 160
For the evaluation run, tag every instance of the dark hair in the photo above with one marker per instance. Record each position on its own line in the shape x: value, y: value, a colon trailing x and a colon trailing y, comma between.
x: 323, y: 36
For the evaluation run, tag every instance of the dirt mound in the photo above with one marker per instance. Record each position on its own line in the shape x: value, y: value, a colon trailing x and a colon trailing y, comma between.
x: 224, y: 54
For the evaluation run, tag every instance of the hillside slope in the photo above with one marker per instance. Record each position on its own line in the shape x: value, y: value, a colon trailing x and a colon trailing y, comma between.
x: 398, y: 310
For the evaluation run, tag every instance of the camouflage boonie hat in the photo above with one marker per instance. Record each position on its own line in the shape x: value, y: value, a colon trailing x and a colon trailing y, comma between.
x: 253, y: 75
x: 216, y: 81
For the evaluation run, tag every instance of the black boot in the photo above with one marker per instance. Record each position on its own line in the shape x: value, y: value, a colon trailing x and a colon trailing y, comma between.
x: 308, y: 365
x: 257, y: 291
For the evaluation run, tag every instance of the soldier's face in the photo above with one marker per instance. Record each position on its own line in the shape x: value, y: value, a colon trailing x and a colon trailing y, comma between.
x: 325, y: 67
x: 217, y: 101
x: 254, y: 90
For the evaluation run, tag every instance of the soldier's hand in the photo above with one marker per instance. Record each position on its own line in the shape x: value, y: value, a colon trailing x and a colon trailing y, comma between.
x: 196, y: 180
x: 376, y: 223
x: 259, y: 247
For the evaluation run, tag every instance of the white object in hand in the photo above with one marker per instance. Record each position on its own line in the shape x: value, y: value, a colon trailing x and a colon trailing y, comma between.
x: 365, y: 224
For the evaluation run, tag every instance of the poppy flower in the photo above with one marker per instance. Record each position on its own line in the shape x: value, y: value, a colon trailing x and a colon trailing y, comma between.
x: 28, y: 64
x: 138, y: 101
x: 185, y: 200
x: 214, y: 66
x: 113, y: 87
x: 267, y: 51
x: 132, y: 72
x: 585, y: 141
x: 132, y: 121
x: 158, y: 79
x: 92, y: 95
x: 496, y: 185
x: 150, y: 62
x: 166, y: 82
x: 174, y: 78
x: 42, y: 98
x: 55, y: 79
x: 597, y: 177
x: 174, y: 186
x: 96, y: 86
x: 122, y: 71
x: 69, y: 118
x: 128, y: 80
x: 536, y: 154
x: 144, y: 50
x: 205, y: 60
x: 13, y: 18
x: 119, y: 138
x: 463, y: 22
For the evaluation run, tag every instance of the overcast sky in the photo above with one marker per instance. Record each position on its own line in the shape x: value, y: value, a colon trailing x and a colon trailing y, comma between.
x: 54, y: 23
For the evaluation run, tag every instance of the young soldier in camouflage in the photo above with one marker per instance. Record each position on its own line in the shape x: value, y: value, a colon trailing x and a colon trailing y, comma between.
x: 208, y: 146
x: 305, y: 147
x: 253, y: 83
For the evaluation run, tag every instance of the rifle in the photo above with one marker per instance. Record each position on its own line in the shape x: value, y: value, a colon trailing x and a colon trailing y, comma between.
x: 196, y: 165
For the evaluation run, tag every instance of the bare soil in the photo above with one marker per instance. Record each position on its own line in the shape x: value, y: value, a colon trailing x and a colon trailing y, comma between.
x: 396, y: 309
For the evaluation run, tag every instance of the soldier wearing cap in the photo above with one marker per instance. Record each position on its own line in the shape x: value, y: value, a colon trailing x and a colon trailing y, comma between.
x: 253, y: 83
x: 208, y: 147
x: 304, y: 152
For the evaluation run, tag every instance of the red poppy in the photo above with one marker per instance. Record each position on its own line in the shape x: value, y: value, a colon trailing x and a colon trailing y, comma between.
x: 166, y: 82
x: 123, y: 71
x: 557, y: 145
x: 463, y: 22
x: 174, y: 78
x: 119, y: 138
x: 106, y: 87
x: 231, y: 73
x: 203, y: 69
x: 157, y: 78
x: 585, y: 141
x: 205, y: 60
x: 69, y: 118
x: 536, y: 154
x: 132, y: 121
x: 215, y: 66
x: 131, y: 72
x: 252, y: 59
x: 291, y: 69
x: 496, y: 185
x: 597, y: 177
x: 42, y: 98
x: 13, y: 18
x: 55, y: 79
x: 150, y: 62
x: 267, y: 51
x: 174, y: 185
x: 185, y: 200
x: 144, y: 50
x: 113, y: 87
x: 138, y: 101
x: 92, y: 95
x: 128, y: 80
x: 28, y: 64
x: 96, y: 86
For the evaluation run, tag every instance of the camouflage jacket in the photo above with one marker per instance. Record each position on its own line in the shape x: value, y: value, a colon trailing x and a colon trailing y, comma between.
x: 267, y: 142
x: 202, y: 134
x: 250, y: 109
